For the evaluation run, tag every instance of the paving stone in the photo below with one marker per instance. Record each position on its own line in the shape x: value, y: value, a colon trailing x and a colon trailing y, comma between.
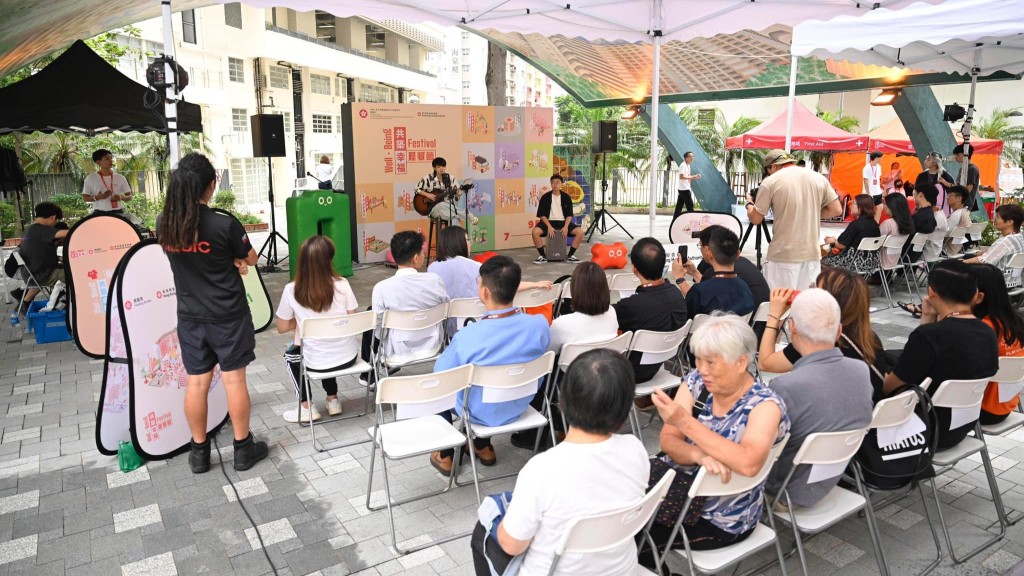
x: 18, y: 549
x: 19, y: 502
x: 246, y: 489
x: 160, y: 565
x: 271, y: 533
x: 118, y: 479
x: 137, y: 517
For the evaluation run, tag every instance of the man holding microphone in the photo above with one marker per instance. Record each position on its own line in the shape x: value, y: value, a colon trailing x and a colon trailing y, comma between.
x: 685, y: 188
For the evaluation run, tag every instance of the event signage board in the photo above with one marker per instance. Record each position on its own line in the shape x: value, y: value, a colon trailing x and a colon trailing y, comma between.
x: 92, y: 250
x: 685, y: 225
x: 507, y: 151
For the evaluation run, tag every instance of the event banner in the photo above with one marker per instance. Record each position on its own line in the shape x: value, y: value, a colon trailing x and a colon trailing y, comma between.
x: 687, y: 224
x: 112, y: 424
x: 92, y: 249
x: 259, y: 299
x: 389, y: 148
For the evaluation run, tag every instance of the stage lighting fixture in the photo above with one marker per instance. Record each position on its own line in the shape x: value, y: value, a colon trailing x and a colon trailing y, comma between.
x: 632, y: 112
x: 886, y: 97
x: 953, y: 112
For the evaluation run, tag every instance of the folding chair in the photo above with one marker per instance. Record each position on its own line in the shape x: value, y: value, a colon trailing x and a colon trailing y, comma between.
x: 917, y: 242
x: 1010, y: 379
x: 395, y: 320
x: 832, y: 451
x: 656, y: 348
x: 465, y: 309
x: 974, y: 233
x: 536, y: 297
x: 504, y: 383
x: 564, y: 294
x: 570, y: 352
x: 331, y: 328
x: 966, y: 395
x: 868, y: 245
x: 761, y: 313
x: 624, y: 284
x: 894, y: 243
x: 952, y: 235
x: 417, y: 430
x: 1012, y: 273
x: 714, y: 561
x: 29, y: 279
x: 695, y: 323
x: 609, y: 530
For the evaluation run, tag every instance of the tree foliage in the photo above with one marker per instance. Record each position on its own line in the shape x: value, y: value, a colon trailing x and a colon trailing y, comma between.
x: 1001, y: 126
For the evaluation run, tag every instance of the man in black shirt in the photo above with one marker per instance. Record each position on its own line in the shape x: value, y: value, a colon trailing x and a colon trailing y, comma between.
x: 721, y: 289
x: 950, y: 343
x: 745, y: 269
x: 39, y: 249
x: 555, y: 211
x: 973, y: 181
x: 656, y: 305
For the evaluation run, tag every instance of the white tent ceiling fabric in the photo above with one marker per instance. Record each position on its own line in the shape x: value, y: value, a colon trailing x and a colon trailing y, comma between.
x: 922, y: 36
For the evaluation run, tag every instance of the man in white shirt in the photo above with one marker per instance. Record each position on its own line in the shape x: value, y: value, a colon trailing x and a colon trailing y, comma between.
x: 104, y: 188
x: 685, y: 187
x: 872, y: 180
x: 1009, y: 219
x: 959, y: 217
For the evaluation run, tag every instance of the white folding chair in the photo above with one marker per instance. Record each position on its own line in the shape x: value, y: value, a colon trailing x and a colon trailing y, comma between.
x: 1012, y: 272
x: 536, y: 297
x: 917, y: 242
x: 965, y: 396
x: 955, y: 236
x: 464, y: 310
x: 502, y: 384
x: 332, y: 328
x: 1010, y: 379
x: 409, y: 321
x: 714, y: 561
x: 624, y: 284
x: 564, y: 294
x: 695, y: 323
x: 570, y: 352
x: 417, y: 430
x: 832, y: 451
x: 656, y: 348
x: 975, y: 231
x: 868, y: 245
x: 761, y: 313
x: 894, y: 244
x: 609, y: 530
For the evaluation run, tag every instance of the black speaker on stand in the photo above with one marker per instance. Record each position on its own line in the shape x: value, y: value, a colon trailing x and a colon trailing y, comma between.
x: 605, y: 140
x: 268, y: 142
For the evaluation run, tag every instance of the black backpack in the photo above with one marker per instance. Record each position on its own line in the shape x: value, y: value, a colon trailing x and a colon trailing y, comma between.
x: 11, y: 266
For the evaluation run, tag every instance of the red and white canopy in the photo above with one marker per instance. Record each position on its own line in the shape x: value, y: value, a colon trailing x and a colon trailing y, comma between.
x: 809, y: 133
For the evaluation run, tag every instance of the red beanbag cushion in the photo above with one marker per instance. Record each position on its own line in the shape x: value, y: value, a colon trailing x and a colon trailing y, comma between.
x: 609, y: 255
x: 484, y: 256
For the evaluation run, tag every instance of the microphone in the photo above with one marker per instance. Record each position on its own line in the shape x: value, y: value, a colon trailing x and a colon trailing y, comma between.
x: 310, y: 174
x: 447, y: 179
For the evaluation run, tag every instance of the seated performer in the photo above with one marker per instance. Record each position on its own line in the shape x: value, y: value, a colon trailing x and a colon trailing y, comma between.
x: 439, y: 183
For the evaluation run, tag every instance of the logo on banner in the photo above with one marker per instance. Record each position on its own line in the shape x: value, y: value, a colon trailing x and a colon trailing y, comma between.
x: 363, y: 113
x: 127, y: 304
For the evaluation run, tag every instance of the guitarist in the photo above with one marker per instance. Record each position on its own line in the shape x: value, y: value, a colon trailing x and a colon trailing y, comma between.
x: 434, y: 187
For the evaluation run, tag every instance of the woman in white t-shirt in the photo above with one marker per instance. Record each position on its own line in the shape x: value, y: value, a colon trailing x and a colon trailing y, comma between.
x: 318, y: 291
x: 593, y: 319
x: 593, y: 471
x: 104, y: 188
x: 324, y: 172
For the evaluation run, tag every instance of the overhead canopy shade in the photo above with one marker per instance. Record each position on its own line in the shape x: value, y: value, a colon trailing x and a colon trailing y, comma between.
x: 809, y: 133
x: 892, y: 138
x: 81, y: 92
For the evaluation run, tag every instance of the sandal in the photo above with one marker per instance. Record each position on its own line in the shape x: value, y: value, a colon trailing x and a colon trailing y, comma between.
x: 912, y: 309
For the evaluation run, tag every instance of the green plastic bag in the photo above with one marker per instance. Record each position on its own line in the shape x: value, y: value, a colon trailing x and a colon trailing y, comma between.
x: 127, y: 457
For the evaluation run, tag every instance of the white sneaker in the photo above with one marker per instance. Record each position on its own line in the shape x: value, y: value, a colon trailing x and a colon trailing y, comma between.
x: 293, y: 415
x: 334, y: 407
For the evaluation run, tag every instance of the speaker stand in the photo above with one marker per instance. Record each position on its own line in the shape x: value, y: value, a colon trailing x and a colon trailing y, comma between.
x: 762, y: 229
x: 269, y: 249
x: 601, y: 216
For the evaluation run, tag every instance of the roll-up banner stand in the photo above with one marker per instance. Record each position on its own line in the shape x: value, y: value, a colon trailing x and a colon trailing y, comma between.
x: 143, y: 392
x: 684, y: 226
x: 92, y: 250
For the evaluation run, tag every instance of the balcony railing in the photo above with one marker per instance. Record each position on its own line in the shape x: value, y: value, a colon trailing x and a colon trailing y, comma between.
x: 333, y: 46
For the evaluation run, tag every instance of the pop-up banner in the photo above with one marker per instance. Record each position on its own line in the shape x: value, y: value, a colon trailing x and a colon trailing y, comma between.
x: 683, y: 228
x: 92, y: 249
x: 143, y: 393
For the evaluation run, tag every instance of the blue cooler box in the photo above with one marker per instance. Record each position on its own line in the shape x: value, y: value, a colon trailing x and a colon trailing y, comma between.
x: 48, y: 326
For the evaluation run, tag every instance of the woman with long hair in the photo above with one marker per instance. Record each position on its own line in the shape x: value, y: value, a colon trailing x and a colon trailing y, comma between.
x: 937, y: 176
x: 843, y: 250
x: 318, y: 291
x: 208, y: 251
x: 899, y: 223
x: 592, y: 319
x: 993, y: 307
x: 857, y: 340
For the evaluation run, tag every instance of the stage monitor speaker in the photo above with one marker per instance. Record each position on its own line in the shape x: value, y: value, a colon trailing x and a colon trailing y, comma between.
x: 267, y: 135
x: 606, y: 136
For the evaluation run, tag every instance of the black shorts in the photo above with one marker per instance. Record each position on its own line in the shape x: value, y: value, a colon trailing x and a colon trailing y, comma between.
x: 557, y: 225
x: 230, y: 343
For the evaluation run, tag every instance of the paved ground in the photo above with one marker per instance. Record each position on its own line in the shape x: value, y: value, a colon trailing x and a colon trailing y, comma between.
x: 65, y: 509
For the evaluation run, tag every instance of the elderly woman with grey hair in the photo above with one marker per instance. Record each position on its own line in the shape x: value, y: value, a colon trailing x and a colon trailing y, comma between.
x: 734, y: 431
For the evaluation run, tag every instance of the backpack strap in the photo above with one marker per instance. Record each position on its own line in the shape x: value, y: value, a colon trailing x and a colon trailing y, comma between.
x: 700, y: 402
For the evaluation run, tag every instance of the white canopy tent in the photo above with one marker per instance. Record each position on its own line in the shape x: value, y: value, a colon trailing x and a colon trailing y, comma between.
x: 976, y: 37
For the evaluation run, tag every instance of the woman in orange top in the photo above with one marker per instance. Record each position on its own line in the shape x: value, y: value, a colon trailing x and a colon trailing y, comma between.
x: 992, y: 306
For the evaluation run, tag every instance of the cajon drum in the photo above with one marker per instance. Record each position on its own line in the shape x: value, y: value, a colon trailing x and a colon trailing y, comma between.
x: 555, y: 250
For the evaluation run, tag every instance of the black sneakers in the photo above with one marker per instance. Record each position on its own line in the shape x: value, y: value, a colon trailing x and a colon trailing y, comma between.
x: 248, y: 452
x: 199, y: 457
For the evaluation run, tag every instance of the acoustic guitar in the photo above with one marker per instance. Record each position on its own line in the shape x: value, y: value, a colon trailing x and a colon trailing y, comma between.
x: 423, y: 205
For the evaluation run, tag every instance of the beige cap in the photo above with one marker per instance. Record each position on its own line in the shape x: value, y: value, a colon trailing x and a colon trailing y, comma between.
x: 777, y: 157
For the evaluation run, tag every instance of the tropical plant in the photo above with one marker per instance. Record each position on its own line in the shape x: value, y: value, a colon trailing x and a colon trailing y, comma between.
x: 1000, y: 126
x: 7, y: 217
x: 146, y: 208
x: 749, y: 161
x: 839, y: 120
x: 72, y: 205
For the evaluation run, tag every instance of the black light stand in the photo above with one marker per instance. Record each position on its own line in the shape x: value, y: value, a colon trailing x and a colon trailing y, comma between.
x: 269, y: 249
x: 762, y: 229
x: 601, y: 214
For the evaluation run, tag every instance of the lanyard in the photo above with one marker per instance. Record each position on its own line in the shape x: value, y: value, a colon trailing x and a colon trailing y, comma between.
x: 500, y: 314
x: 111, y: 186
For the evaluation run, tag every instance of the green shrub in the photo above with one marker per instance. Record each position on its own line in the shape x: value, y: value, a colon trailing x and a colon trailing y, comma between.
x: 990, y: 235
x: 73, y: 206
x: 225, y: 200
x: 247, y: 218
x: 7, y: 216
x: 146, y: 208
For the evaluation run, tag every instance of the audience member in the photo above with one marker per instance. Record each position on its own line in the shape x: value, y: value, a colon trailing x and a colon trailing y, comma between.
x: 656, y: 305
x: 318, y: 292
x: 857, y: 339
x: 722, y: 289
x: 592, y: 319
x: 1008, y: 220
x: 993, y: 307
x: 908, y: 191
x: 959, y: 217
x: 973, y: 181
x: 407, y: 291
x: 737, y: 408
x: 843, y: 251
x: 924, y: 213
x: 824, y: 392
x: 950, y: 344
x: 745, y: 269
x: 39, y: 249
x: 594, y: 470
x: 799, y: 200
x: 935, y: 175
x: 503, y: 336
x: 895, y: 175
x: 900, y: 223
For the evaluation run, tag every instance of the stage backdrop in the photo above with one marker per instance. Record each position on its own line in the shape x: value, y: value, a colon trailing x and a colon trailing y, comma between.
x: 389, y: 147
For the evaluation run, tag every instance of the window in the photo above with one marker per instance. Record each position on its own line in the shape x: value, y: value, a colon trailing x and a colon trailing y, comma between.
x: 236, y: 70
x: 376, y: 93
x: 325, y: 26
x: 466, y: 85
x: 341, y: 87
x: 188, y: 26
x: 249, y: 175
x: 233, y: 14
x: 465, y: 68
x: 465, y: 51
x: 320, y: 84
x: 465, y: 100
x: 288, y: 122
x: 280, y: 77
x: 239, y: 120
x: 337, y: 124
x: 322, y: 124
x: 465, y: 35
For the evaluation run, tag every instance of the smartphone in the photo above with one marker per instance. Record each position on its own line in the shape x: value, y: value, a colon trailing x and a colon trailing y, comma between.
x: 695, y: 234
x: 793, y: 297
x: 683, y: 250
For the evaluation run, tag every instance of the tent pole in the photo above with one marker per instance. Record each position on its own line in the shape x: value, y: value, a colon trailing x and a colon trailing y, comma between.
x: 792, y: 100
x: 655, y: 105
x: 171, y: 102
x: 965, y: 131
